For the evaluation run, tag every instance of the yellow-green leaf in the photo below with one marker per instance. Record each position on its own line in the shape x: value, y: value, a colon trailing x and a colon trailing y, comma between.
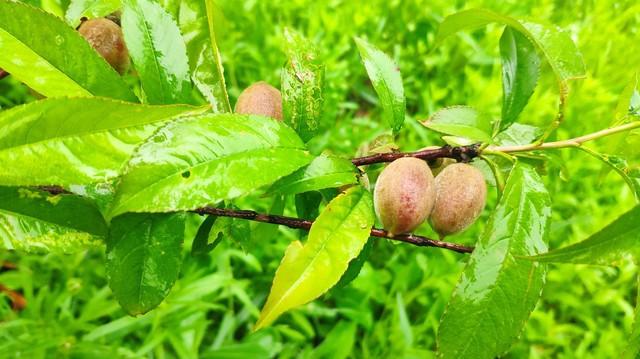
x: 307, y: 271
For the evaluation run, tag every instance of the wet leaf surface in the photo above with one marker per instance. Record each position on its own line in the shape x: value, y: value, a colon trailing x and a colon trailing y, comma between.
x: 49, y: 56
x: 203, y: 160
x: 36, y: 221
x: 497, y: 291
x: 307, y: 271
x: 75, y: 141
x: 144, y: 254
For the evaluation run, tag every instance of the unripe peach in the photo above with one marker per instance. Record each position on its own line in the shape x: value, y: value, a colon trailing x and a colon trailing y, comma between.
x: 105, y: 36
x: 404, y: 195
x: 260, y: 99
x: 461, y: 194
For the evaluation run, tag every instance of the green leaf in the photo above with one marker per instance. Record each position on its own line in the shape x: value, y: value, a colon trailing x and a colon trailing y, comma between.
x: 306, y: 272
x: 323, y: 172
x: 214, y: 229
x: 520, y: 70
x: 240, y: 233
x: 89, y: 9
x: 144, y: 255
x: 207, y: 73
x: 497, y: 291
x: 101, y: 193
x: 356, y: 265
x: 158, y: 52
x: 556, y: 45
x: 42, y: 51
x: 201, y: 243
x: 386, y: 80
x: 518, y: 134
x: 36, y: 221
x: 628, y: 103
x: 202, y: 160
x: 338, y: 343
x: 612, y: 244
x: 627, y: 109
x: 632, y: 350
x: 75, y: 141
x: 264, y: 232
x: 462, y: 121
x: 308, y: 204
x: 302, y: 86
x: 630, y: 174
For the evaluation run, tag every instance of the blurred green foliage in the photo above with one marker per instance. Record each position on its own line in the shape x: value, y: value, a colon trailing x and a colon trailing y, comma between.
x: 393, y: 308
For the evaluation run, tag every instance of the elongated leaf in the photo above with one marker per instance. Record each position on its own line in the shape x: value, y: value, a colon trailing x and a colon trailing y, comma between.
x: 518, y: 134
x: 308, y: 271
x: 42, y: 51
x: 201, y: 243
x: 90, y: 9
x: 556, y: 46
x: 207, y: 159
x: 616, y: 241
x: 462, y: 121
x: 144, y: 258
x: 74, y: 141
x: 196, y: 25
x: 302, y: 86
x: 387, y: 81
x: 35, y: 221
x: 158, y: 52
x: 520, y: 70
x: 628, y: 103
x: 497, y: 291
x: 323, y: 172
x: 630, y: 174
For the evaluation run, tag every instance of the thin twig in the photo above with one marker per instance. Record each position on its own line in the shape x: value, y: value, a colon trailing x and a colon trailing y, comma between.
x: 3, y: 74
x: 305, y: 224
x: 572, y: 142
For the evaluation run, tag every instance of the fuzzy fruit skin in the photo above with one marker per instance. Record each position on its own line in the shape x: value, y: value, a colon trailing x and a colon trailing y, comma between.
x: 461, y: 195
x: 260, y: 99
x: 404, y: 195
x: 105, y: 36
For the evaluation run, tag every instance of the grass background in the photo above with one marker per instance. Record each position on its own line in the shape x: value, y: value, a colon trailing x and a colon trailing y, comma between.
x: 393, y: 308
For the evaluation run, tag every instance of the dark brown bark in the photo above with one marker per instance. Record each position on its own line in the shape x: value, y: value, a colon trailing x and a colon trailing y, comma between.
x: 461, y: 154
x: 306, y: 225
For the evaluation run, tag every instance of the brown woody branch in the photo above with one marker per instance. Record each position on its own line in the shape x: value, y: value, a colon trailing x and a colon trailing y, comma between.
x: 306, y: 225
x: 3, y: 74
x: 461, y: 154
